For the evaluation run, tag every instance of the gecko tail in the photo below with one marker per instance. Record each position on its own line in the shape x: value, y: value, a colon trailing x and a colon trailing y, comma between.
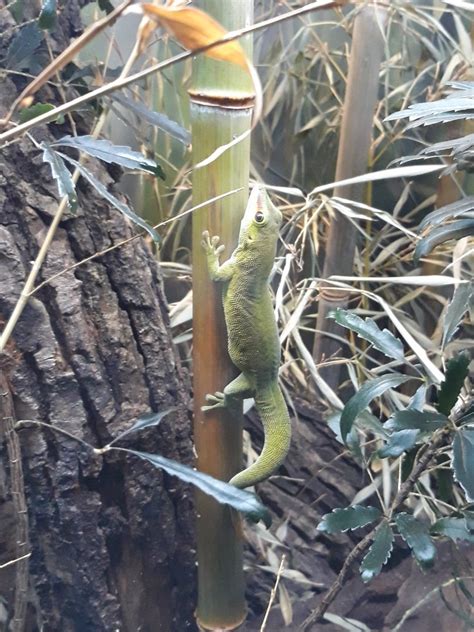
x: 273, y: 412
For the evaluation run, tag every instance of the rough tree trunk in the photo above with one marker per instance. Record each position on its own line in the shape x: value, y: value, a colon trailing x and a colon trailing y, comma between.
x: 111, y: 538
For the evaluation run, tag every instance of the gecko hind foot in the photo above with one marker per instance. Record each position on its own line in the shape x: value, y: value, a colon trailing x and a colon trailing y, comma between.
x: 215, y: 401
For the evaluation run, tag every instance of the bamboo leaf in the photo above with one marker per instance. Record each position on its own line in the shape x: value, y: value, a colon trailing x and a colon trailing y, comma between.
x: 108, y: 152
x: 462, y: 300
x: 340, y: 520
x: 378, y: 553
x: 384, y: 174
x: 194, y: 29
x: 224, y: 493
x: 460, y: 207
x: 367, y: 392
x: 415, y: 420
x: 48, y: 16
x: 417, y: 536
x: 456, y: 372
x: 456, y: 230
x: 144, y: 421
x: 382, y: 340
x: 155, y: 118
x: 61, y: 174
x: 105, y: 193
x: 398, y: 443
x: 463, y: 460
x: 453, y: 528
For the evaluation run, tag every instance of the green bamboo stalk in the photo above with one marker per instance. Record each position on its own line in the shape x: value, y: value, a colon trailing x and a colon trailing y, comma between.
x: 353, y: 153
x: 221, y: 108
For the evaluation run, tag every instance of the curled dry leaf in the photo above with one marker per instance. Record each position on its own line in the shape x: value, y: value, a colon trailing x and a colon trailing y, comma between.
x: 195, y: 29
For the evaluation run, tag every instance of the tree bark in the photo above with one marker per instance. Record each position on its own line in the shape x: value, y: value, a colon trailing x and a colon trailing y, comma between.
x: 111, y: 538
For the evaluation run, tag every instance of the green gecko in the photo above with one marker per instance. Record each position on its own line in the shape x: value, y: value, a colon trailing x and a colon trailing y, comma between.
x: 253, y: 341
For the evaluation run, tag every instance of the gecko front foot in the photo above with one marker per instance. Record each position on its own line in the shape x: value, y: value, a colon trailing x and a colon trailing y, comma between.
x: 210, y: 244
x: 215, y: 401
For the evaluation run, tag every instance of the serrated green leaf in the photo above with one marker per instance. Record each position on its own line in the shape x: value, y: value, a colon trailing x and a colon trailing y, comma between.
x: 457, y: 370
x: 35, y: 110
x: 453, y: 528
x: 340, y: 520
x: 23, y: 47
x: 463, y: 460
x: 382, y: 340
x: 224, y: 493
x: 455, y: 230
x: 144, y: 421
x: 105, y: 193
x: 48, y: 16
x: 378, y: 554
x: 398, y: 443
x: 415, y: 420
x: 417, y: 536
x: 462, y: 299
x: 108, y: 152
x: 367, y: 392
x: 61, y: 174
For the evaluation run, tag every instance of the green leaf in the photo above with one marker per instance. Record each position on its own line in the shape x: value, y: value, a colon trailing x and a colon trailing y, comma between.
x: 456, y: 372
x: 417, y: 536
x: 455, y: 230
x: 348, y: 518
x: 48, y: 16
x: 415, y: 420
x: 155, y: 118
x: 35, y: 110
x: 118, y: 154
x: 398, y: 443
x: 105, y: 193
x: 463, y: 298
x: 378, y: 553
x: 382, y: 340
x: 453, y: 528
x: 460, y: 207
x: 61, y: 174
x: 463, y: 460
x: 367, y: 392
x: 224, y: 493
x: 23, y: 47
x: 144, y: 421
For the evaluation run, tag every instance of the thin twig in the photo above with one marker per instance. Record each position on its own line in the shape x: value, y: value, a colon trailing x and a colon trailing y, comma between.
x: 273, y: 593
x: 361, y: 547
x: 15, y: 561
x: 23, y: 422
x: 124, y: 242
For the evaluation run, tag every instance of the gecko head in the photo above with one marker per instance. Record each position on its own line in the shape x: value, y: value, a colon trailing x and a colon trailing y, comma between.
x: 262, y: 220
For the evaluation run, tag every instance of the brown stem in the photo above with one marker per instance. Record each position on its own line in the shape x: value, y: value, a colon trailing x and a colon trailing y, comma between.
x: 361, y: 547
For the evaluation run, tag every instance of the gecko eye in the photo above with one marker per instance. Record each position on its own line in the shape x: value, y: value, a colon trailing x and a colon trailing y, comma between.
x: 259, y: 217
